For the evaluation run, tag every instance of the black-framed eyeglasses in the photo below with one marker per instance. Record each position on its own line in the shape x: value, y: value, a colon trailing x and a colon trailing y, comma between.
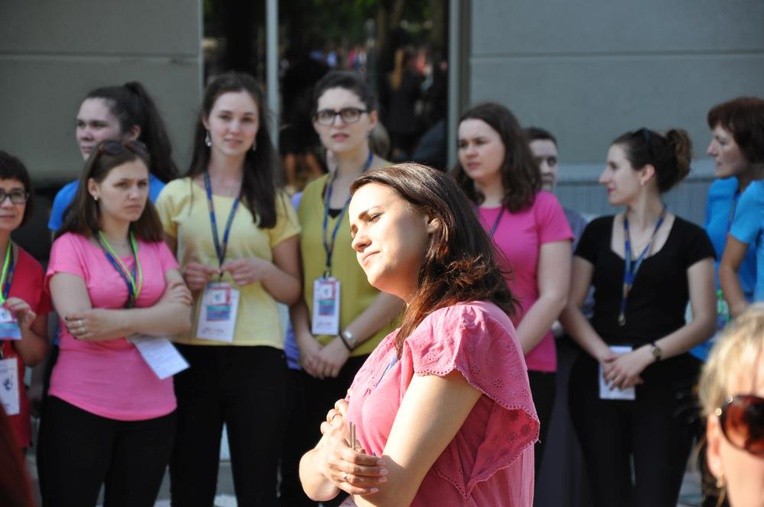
x: 741, y: 418
x: 17, y: 196
x: 113, y: 147
x: 348, y: 115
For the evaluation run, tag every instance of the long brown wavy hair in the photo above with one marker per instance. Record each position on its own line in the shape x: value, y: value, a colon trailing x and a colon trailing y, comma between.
x: 459, y: 264
x: 520, y: 174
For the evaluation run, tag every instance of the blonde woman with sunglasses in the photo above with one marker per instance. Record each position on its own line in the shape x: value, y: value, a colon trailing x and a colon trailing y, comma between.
x: 732, y: 399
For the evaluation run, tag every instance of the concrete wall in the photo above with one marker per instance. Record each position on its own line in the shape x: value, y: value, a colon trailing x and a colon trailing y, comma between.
x: 590, y: 70
x: 52, y: 53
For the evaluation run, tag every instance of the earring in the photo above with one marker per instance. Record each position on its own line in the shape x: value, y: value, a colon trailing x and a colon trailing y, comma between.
x: 208, y: 139
x: 95, y: 198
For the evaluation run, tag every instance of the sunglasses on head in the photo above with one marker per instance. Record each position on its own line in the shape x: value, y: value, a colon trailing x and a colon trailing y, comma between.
x: 742, y: 421
x: 119, y: 147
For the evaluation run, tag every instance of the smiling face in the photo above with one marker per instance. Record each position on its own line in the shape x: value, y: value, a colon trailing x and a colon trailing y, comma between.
x: 742, y: 471
x: 729, y: 159
x: 390, y: 239
x: 545, y: 153
x: 233, y: 123
x: 123, y: 193
x: 96, y: 123
x: 481, y: 152
x: 11, y: 214
x: 340, y: 137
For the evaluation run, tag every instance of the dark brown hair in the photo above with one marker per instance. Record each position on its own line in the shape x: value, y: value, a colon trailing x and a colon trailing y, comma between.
x: 84, y: 214
x: 743, y: 117
x: 670, y: 155
x: 260, y: 179
x: 11, y: 168
x: 132, y: 105
x: 460, y: 263
x: 520, y: 174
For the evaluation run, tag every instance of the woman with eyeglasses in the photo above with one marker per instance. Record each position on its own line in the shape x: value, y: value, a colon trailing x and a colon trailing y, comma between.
x: 528, y: 225
x: 24, y: 305
x: 631, y: 391
x: 236, y: 236
x: 110, y: 419
x: 732, y: 399
x: 341, y: 317
x: 124, y: 113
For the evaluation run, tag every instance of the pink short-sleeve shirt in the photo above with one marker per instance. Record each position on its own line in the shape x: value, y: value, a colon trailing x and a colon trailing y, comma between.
x: 110, y: 378
x: 490, y: 460
x: 519, y: 236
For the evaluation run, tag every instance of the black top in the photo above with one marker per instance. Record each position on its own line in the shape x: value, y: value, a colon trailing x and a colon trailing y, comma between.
x: 658, y: 298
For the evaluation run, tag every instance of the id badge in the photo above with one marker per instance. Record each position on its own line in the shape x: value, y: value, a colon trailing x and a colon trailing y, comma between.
x: 217, y: 315
x: 326, y: 306
x: 9, y: 386
x: 9, y: 328
x: 608, y: 393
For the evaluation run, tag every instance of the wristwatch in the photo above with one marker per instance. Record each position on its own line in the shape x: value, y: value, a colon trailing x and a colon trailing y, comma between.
x: 657, y: 352
x: 348, y: 338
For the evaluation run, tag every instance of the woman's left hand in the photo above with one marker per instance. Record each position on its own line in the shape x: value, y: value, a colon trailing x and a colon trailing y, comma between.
x: 22, y: 311
x: 246, y: 271
x: 86, y: 324
x: 624, y: 371
x: 331, y: 358
x: 352, y: 471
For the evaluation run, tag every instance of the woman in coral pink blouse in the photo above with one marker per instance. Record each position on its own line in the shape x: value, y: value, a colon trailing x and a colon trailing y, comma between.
x: 441, y: 412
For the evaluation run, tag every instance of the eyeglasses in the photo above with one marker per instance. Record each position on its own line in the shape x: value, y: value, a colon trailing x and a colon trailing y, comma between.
x: 348, y: 115
x: 17, y: 196
x: 742, y: 421
x: 119, y: 147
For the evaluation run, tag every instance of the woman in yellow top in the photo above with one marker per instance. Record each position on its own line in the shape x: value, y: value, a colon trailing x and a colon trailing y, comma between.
x: 336, y: 334
x: 235, y: 235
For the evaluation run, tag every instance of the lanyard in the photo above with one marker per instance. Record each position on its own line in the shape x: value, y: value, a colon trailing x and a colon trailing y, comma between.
x: 329, y: 241
x: 731, y: 215
x: 133, y: 283
x: 630, y: 273
x: 496, y: 222
x: 7, y: 276
x: 220, y: 249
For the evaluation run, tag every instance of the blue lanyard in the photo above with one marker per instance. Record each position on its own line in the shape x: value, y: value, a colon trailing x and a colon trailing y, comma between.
x: 329, y: 242
x: 630, y: 273
x: 731, y: 215
x: 220, y: 249
x: 7, y: 276
x: 133, y: 283
x: 497, y: 221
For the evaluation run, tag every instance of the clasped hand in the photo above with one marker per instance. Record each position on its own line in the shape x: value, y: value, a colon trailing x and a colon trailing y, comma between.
x: 242, y: 271
x: 348, y: 469
x: 623, y: 371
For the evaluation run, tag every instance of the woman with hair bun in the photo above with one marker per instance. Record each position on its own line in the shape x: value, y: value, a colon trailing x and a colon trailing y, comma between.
x: 630, y: 394
x: 119, y: 113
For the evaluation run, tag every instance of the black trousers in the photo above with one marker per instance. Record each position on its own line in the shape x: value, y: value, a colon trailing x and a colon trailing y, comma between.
x: 542, y: 389
x: 313, y: 399
x: 245, y: 388
x: 655, y: 430
x: 79, y: 451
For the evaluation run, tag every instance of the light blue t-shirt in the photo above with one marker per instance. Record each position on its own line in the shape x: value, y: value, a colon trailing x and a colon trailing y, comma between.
x: 65, y: 196
x: 747, y: 228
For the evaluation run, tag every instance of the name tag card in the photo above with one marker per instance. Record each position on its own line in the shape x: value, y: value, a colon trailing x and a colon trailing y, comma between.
x: 608, y: 393
x: 9, y: 328
x: 160, y: 355
x: 326, y: 306
x: 217, y: 316
x: 9, y: 386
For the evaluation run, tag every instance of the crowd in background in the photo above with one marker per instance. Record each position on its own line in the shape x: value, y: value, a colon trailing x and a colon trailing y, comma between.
x: 609, y: 322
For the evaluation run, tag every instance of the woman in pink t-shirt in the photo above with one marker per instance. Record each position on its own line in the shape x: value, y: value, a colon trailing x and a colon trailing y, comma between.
x: 441, y: 412
x: 110, y: 419
x: 499, y: 174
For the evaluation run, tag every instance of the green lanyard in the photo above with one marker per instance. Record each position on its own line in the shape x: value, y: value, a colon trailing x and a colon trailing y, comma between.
x: 129, y: 276
x: 7, y: 276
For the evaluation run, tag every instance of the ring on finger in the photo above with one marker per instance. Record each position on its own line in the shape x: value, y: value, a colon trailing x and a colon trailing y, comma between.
x: 344, y: 477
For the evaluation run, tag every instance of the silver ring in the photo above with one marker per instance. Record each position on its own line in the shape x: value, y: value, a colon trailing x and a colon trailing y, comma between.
x: 345, y: 477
